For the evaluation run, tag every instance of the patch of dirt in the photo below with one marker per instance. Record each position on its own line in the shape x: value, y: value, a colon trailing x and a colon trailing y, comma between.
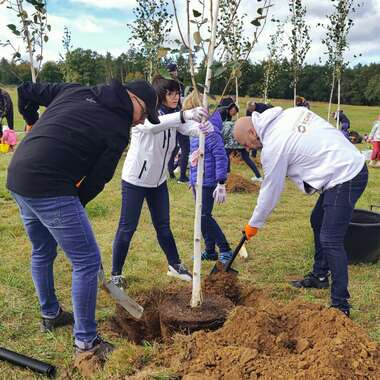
x: 137, y: 330
x: 88, y: 364
x: 261, y: 338
x: 176, y: 314
x: 238, y: 184
x: 270, y: 341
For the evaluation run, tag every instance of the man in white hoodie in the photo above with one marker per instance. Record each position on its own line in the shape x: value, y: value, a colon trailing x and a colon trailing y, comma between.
x: 298, y: 144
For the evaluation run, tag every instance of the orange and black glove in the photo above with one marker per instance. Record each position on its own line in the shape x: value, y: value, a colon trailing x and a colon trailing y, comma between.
x: 250, y: 232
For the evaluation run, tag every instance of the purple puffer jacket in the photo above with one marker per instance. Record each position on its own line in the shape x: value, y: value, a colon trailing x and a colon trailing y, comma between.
x: 215, y: 155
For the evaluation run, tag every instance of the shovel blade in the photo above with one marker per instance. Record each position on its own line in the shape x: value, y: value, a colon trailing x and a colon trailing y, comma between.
x: 122, y: 298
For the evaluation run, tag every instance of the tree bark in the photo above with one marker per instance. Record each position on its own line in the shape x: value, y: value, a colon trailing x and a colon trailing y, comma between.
x: 196, y: 298
x: 331, y: 96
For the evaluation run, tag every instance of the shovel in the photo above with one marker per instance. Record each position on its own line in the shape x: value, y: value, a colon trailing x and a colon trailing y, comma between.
x: 122, y: 298
x: 227, y: 266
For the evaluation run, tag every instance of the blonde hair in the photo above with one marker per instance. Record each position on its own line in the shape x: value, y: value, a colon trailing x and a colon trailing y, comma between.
x: 191, y: 101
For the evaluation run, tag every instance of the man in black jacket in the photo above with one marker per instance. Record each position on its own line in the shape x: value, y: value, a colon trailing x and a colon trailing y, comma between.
x: 6, y: 110
x: 64, y: 162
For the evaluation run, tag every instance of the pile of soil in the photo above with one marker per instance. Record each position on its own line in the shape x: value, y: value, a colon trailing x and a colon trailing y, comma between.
x: 271, y: 341
x: 238, y: 184
x: 261, y: 338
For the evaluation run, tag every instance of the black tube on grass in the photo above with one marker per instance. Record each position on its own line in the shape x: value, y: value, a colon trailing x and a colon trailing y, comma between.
x: 27, y: 362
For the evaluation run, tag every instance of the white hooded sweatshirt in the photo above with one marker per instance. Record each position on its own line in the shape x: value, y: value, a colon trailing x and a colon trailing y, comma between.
x: 300, y: 145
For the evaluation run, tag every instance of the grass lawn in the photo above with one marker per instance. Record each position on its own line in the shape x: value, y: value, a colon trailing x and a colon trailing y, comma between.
x: 281, y: 251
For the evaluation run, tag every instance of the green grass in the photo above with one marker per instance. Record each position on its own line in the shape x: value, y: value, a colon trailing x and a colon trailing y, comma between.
x: 281, y: 251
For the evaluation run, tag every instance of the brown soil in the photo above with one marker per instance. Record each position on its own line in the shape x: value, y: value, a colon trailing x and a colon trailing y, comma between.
x: 238, y: 184
x: 260, y: 339
x: 176, y: 314
x: 272, y: 341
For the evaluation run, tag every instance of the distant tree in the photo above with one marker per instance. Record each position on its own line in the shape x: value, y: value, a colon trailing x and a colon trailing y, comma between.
x: 339, y: 24
x: 32, y: 29
x: 51, y: 72
x: 276, y: 48
x: 150, y: 30
x: 67, y: 47
x: 85, y: 67
x: 372, y: 92
x: 299, y: 41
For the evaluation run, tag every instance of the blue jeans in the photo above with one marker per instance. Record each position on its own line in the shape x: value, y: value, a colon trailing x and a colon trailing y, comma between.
x: 62, y: 220
x: 133, y: 197
x: 211, y: 231
x: 329, y: 220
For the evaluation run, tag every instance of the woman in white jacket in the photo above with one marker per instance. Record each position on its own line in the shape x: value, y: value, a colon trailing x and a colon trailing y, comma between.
x: 144, y: 176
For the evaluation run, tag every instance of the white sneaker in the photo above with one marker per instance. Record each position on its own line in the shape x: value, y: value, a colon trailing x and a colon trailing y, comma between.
x: 255, y: 179
x: 177, y: 170
x: 179, y: 271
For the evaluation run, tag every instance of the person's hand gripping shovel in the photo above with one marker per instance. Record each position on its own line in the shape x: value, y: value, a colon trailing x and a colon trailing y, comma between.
x: 121, y: 297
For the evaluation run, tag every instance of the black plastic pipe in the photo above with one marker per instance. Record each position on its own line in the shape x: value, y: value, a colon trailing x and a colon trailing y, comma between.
x: 27, y: 362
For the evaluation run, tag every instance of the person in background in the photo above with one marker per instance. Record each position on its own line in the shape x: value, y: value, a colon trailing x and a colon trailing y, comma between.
x: 144, y: 177
x: 214, y: 188
x: 231, y: 146
x: 227, y: 109
x: 253, y: 106
x: 6, y: 110
x: 302, y: 102
x: 182, y: 146
x: 298, y: 144
x: 63, y: 163
x: 374, y: 139
x: 344, y: 123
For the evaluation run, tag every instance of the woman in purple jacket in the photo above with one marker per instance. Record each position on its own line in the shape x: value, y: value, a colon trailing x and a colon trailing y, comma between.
x: 214, y: 188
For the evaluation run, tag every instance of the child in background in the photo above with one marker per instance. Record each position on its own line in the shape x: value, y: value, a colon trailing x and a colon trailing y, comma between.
x: 9, y: 137
x: 374, y: 139
x: 214, y: 188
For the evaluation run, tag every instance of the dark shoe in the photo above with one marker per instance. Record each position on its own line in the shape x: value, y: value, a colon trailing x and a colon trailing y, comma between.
x: 99, y: 347
x: 344, y: 309
x: 171, y: 175
x: 311, y: 281
x: 183, y: 180
x: 179, y: 271
x: 64, y: 318
x: 208, y: 256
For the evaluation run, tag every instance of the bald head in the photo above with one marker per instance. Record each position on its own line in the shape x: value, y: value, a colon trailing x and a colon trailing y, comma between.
x: 245, y: 133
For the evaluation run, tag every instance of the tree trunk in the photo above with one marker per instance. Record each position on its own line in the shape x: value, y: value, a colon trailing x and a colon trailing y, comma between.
x: 338, y: 107
x: 266, y: 86
x: 29, y: 47
x: 196, y: 298
x: 237, y: 94
x: 294, y: 93
x: 331, y: 96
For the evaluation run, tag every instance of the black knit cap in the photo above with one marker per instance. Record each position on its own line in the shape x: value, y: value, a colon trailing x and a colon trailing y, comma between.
x: 145, y: 92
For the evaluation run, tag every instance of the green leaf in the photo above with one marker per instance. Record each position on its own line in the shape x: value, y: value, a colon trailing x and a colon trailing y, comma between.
x: 255, y: 22
x: 219, y: 71
x: 46, y: 38
x: 196, y: 13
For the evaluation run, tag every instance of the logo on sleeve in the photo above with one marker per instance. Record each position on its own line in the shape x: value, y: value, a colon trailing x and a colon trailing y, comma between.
x: 91, y: 100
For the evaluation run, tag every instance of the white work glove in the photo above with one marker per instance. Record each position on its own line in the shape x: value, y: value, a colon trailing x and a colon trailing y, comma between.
x: 196, y: 114
x: 220, y: 194
x: 206, y: 127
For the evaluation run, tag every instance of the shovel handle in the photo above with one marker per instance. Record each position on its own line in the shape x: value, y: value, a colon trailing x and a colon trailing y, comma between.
x: 236, y: 251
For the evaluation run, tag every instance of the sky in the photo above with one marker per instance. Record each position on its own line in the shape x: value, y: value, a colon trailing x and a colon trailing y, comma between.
x: 101, y: 25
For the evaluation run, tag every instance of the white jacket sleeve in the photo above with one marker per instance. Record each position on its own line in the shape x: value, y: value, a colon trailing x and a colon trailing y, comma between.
x: 190, y: 128
x: 171, y: 120
x: 271, y: 189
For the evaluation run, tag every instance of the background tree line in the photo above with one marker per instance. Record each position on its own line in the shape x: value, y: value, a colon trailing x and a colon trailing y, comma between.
x: 360, y: 84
